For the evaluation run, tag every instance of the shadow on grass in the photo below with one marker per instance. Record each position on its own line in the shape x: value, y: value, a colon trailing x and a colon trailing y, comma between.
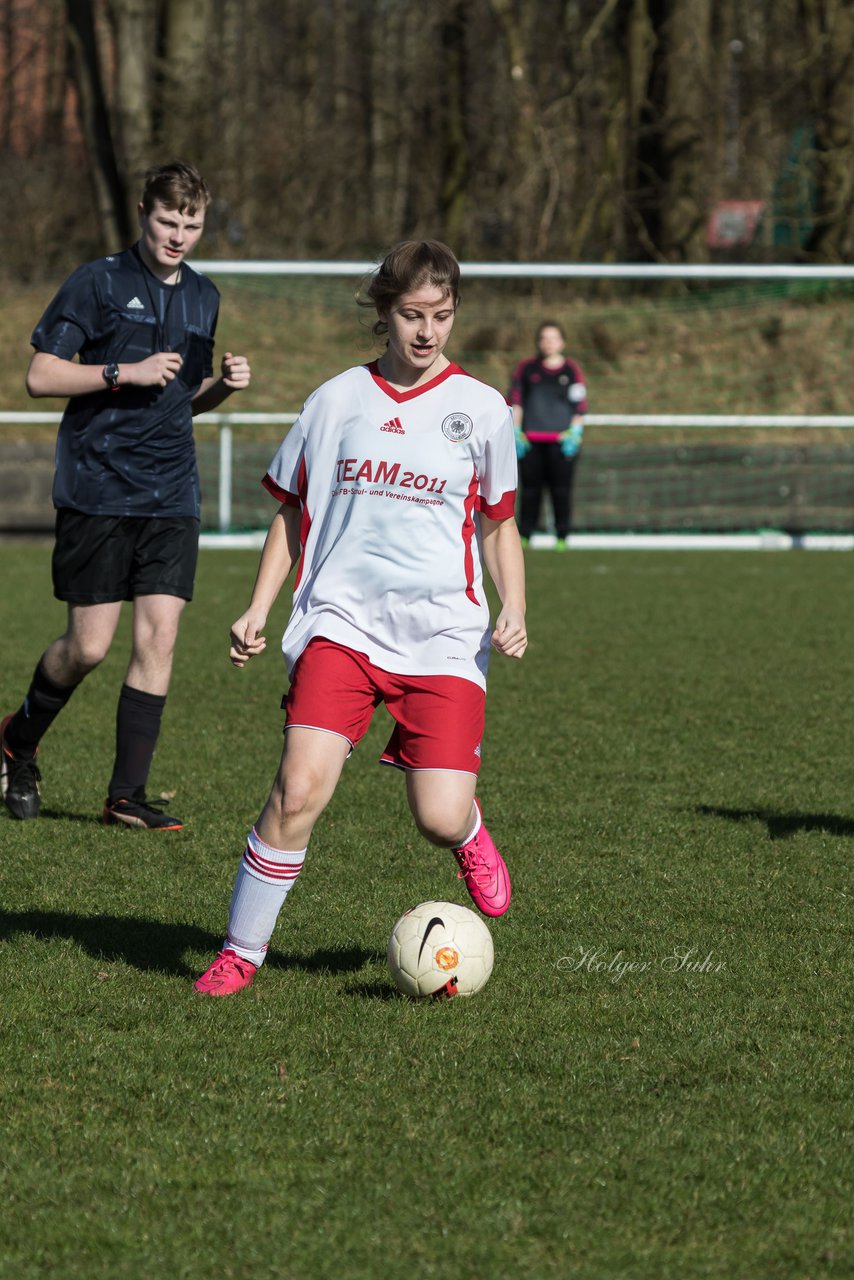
x: 783, y: 825
x: 154, y: 946
x: 374, y: 991
x: 62, y: 815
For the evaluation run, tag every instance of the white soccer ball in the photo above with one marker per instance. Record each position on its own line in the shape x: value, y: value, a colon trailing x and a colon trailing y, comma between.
x: 440, y: 949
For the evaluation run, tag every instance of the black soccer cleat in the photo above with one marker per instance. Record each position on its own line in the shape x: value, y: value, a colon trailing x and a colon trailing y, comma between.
x: 19, y: 780
x: 138, y: 811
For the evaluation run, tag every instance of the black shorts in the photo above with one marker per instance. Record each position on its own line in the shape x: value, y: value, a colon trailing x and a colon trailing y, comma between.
x: 101, y: 559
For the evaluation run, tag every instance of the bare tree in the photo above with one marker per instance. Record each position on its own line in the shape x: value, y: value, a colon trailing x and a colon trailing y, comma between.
x: 108, y: 182
x: 517, y: 80
x: 829, y: 31
x: 454, y: 162
x: 133, y: 35
x: 669, y: 76
x: 514, y: 128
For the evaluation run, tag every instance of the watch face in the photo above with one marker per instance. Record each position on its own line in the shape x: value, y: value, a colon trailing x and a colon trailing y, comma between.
x: 111, y: 374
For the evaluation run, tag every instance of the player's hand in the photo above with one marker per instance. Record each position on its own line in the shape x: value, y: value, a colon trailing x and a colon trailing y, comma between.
x: 154, y: 371
x: 570, y: 441
x: 510, y: 636
x: 236, y: 373
x: 246, y: 640
x: 523, y: 444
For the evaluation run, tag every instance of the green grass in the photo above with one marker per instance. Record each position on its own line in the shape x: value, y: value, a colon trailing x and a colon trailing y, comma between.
x: 668, y: 772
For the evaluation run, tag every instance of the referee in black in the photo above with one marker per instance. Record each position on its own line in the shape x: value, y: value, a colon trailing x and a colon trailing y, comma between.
x: 129, y: 340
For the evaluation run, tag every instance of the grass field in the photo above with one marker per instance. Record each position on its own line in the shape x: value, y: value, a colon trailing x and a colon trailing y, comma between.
x: 656, y: 1083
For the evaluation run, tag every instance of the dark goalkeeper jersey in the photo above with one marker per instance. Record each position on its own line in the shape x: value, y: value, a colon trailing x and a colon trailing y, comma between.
x: 130, y: 452
x: 549, y: 398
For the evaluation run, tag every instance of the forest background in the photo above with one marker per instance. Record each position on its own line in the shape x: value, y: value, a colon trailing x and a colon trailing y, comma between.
x: 517, y: 130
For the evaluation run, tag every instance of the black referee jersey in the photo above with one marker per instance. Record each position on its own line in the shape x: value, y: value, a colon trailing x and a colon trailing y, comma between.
x: 130, y: 452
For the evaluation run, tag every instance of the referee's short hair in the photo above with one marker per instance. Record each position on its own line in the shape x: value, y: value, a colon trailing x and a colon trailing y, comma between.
x: 177, y: 186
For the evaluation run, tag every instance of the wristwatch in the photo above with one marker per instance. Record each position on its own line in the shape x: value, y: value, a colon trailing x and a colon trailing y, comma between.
x: 111, y: 376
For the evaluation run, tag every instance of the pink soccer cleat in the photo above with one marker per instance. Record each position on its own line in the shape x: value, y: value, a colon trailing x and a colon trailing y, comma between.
x: 228, y: 973
x: 484, y: 872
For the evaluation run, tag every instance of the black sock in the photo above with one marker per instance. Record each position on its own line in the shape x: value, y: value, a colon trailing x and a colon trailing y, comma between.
x: 137, y: 728
x: 40, y: 707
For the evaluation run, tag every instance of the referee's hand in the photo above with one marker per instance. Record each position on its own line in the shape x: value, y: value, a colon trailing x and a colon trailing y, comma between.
x: 236, y: 372
x: 154, y: 371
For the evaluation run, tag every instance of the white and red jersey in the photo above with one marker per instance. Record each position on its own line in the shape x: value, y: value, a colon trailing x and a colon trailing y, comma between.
x: 391, y: 485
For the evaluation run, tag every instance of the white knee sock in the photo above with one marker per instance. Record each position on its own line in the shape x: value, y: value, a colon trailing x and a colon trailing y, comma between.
x: 264, y: 880
x: 478, y: 822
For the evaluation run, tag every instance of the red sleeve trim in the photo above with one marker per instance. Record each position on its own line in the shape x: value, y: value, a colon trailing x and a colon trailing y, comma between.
x: 503, y: 509
x: 515, y: 396
x: 281, y: 495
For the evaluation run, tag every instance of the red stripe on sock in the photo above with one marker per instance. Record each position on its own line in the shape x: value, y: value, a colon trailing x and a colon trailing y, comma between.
x: 275, y: 870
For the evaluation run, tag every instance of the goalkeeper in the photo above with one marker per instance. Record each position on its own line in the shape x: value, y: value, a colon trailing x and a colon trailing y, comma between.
x: 549, y: 401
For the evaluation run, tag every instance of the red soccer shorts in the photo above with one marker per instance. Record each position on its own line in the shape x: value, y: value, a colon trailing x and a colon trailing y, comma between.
x: 438, y: 719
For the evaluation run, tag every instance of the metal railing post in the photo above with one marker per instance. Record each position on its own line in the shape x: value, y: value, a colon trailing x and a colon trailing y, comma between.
x: 225, y: 476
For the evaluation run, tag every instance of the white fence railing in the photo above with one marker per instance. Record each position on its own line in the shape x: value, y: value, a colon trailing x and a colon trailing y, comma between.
x: 545, y: 270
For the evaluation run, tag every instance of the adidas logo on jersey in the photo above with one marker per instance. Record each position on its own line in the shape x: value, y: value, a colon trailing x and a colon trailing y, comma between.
x: 395, y: 426
x: 135, y: 305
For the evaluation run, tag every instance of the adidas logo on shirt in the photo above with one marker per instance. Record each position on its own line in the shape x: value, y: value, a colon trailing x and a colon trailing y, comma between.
x: 135, y: 305
x: 395, y: 426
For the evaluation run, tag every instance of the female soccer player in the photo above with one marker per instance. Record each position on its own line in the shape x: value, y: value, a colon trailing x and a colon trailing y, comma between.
x: 397, y: 482
x: 549, y: 402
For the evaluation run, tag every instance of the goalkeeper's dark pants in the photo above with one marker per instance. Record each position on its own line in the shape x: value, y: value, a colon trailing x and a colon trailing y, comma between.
x: 544, y: 468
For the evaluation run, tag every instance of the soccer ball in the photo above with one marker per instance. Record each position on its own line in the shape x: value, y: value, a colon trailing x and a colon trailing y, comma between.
x: 440, y: 949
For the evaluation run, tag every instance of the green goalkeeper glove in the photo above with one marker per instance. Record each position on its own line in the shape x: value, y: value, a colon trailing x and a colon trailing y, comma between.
x: 523, y: 444
x: 570, y: 441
